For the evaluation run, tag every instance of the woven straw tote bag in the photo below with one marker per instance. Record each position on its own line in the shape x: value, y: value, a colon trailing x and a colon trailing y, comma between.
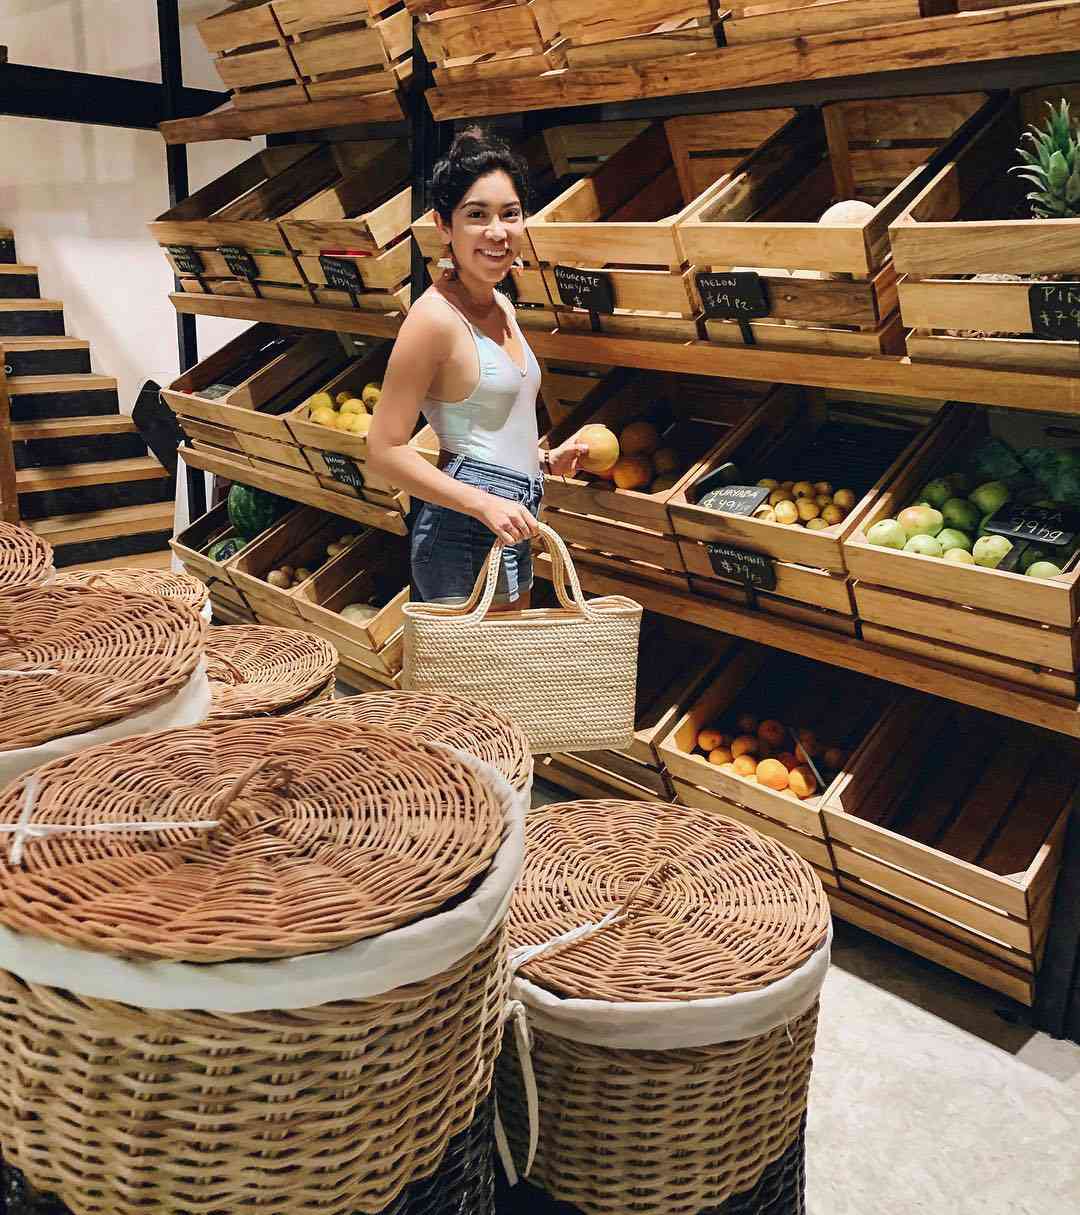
x: 566, y: 675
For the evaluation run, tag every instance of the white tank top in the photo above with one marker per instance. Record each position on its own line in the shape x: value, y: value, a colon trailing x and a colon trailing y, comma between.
x: 496, y: 422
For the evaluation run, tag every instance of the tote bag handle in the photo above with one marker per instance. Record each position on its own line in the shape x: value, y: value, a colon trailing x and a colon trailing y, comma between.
x: 483, y: 593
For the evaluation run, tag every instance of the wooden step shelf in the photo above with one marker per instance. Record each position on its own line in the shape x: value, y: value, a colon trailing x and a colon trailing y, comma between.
x: 228, y: 122
x: 104, y: 524
x: 279, y: 312
x: 96, y: 472
x: 1055, y: 713
x: 1008, y: 32
x: 70, y: 428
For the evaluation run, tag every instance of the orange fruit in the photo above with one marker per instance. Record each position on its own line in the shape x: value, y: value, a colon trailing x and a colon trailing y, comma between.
x: 745, y: 765
x: 720, y: 755
x: 745, y: 744
x: 773, y: 774
x: 802, y: 781
x: 632, y: 472
x: 772, y: 733
x: 639, y: 439
x: 603, y: 448
x: 709, y: 740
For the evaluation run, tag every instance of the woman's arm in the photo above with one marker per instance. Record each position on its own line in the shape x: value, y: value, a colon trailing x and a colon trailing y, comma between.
x: 423, y: 346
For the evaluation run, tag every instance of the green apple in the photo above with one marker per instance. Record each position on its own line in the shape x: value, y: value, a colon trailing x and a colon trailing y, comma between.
x: 961, y: 514
x: 920, y: 521
x: 925, y: 546
x: 887, y: 533
x: 1043, y: 569
x: 950, y: 537
x: 937, y: 493
x: 990, y: 551
x: 990, y: 497
x: 959, y: 556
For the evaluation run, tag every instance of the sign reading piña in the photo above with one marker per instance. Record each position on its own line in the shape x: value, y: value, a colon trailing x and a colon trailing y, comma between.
x: 1055, y: 311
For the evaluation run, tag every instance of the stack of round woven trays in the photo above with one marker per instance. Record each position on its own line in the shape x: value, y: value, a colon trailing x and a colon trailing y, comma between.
x: 166, y: 584
x: 255, y: 966
x: 25, y: 559
x: 80, y: 666
x: 255, y: 670
x: 441, y: 717
x: 672, y: 1034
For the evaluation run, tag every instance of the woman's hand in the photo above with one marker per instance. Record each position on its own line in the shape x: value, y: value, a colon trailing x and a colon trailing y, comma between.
x: 510, y: 521
x: 563, y: 460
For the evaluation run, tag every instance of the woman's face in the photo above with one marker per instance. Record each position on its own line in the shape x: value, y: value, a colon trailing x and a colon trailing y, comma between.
x: 486, y: 228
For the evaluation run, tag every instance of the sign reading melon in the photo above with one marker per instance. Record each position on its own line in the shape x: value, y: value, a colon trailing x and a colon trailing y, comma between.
x: 1055, y: 311
x: 589, y: 289
x: 735, y: 295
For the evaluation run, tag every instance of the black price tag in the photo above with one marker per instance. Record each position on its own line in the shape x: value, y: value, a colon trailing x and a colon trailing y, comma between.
x: 186, y: 258
x: 343, y: 469
x: 736, y: 295
x: 751, y: 569
x: 590, y: 289
x: 1055, y: 311
x: 1049, y: 526
x: 7, y: 250
x: 735, y: 499
x: 239, y: 261
x: 342, y: 273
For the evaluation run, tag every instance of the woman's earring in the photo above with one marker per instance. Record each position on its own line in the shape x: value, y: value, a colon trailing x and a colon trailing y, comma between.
x: 447, y: 264
x: 517, y: 263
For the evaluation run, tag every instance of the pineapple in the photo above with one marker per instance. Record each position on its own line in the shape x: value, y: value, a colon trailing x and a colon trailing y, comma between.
x: 1053, y: 165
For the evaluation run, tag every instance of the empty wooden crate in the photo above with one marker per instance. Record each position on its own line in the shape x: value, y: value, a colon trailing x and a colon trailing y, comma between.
x: 486, y: 41
x: 605, y: 32
x: 610, y: 244
x: 947, y: 832
x: 766, y: 20
x: 804, y: 225
x: 982, y: 280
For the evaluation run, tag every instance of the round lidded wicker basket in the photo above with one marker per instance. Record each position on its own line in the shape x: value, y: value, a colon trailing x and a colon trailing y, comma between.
x: 166, y: 584
x: 257, y: 669
x: 440, y: 717
x: 74, y: 658
x: 25, y: 558
x: 349, y: 840
x: 707, y: 975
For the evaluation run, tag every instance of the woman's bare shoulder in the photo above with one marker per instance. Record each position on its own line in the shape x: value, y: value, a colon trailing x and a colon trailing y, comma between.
x: 431, y: 317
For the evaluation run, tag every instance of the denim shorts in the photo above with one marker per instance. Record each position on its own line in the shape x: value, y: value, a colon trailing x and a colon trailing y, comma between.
x: 448, y: 548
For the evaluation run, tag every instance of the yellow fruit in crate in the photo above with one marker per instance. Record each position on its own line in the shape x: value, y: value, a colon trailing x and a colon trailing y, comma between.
x: 632, y: 472
x: 639, y: 439
x: 356, y: 423
x: 320, y: 400
x: 808, y: 509
x: 353, y: 405
x: 341, y: 397
x: 786, y: 513
x: 803, y: 489
x: 324, y: 416
x: 603, y: 453
x: 371, y: 394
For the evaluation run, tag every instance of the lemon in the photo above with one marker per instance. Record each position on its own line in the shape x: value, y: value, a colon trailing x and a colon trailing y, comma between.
x: 371, y: 394
x: 353, y: 405
x: 323, y: 415
x: 341, y: 398
x: 356, y: 423
x: 321, y: 400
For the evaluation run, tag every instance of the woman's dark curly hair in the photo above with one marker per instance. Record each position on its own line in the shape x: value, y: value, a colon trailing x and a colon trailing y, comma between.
x: 474, y: 153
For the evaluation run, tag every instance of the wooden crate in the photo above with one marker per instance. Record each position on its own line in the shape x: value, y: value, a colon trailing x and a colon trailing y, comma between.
x: 282, y: 52
x: 827, y: 287
x: 694, y: 414
x: 812, y: 584
x: 490, y: 41
x: 190, y: 547
x: 564, y: 385
x: 989, y: 620
x: 352, y: 237
x: 624, y: 220
x: 765, y: 20
x: 602, y: 34
x: 841, y: 707
x: 962, y: 226
x: 969, y: 848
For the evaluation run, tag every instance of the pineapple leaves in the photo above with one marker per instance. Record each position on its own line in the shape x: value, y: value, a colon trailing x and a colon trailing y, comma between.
x: 1050, y: 160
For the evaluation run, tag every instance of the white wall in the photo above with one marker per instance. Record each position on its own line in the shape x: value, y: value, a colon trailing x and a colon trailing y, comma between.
x: 79, y: 197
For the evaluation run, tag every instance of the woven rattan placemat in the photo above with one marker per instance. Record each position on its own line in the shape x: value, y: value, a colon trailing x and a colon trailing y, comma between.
x: 326, y: 834
x: 255, y: 669
x: 166, y: 584
x: 712, y: 907
x: 25, y: 559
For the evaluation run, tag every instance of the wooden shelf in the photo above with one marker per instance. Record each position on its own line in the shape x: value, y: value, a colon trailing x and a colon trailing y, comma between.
x: 279, y: 312
x: 980, y: 691
x: 1003, y: 33
x: 228, y: 122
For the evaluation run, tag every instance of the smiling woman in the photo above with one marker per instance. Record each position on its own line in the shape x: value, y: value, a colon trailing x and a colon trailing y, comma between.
x: 463, y: 361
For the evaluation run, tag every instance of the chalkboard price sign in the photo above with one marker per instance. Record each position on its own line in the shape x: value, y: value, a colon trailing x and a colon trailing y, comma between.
x: 187, y: 259
x: 1049, y: 526
x: 1055, y: 311
x: 736, y: 295
x: 735, y: 499
x: 341, y: 273
x: 239, y: 261
x: 343, y: 469
x: 590, y: 289
x: 736, y: 564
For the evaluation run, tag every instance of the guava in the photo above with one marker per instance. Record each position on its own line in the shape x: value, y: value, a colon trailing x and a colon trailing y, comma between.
x: 1043, y: 569
x: 937, y: 493
x: 925, y: 546
x: 990, y: 551
x: 921, y: 521
x: 950, y: 537
x: 990, y: 496
x: 887, y: 533
x: 961, y: 514
x: 959, y: 556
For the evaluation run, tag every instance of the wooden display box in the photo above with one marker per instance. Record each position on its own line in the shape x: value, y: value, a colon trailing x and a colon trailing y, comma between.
x: 1003, y: 624
x: 607, y: 32
x: 968, y: 848
x: 964, y: 224
x: 841, y: 707
x: 694, y: 415
x: 190, y: 547
x: 625, y: 220
x: 671, y: 37
x: 564, y: 385
x: 812, y: 584
x: 765, y: 20
x: 485, y: 41
x: 832, y: 287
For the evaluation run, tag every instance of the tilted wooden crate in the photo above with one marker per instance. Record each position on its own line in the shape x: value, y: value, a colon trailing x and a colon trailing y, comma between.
x: 606, y: 32
x: 829, y: 287
x: 486, y: 41
x: 1005, y: 625
x: 956, y: 860
x: 971, y: 258
x: 765, y: 20
x: 625, y: 220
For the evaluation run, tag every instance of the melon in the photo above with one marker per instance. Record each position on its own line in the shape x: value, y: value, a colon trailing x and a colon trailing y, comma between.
x: 603, y: 449
x: 252, y: 511
x: 632, y: 472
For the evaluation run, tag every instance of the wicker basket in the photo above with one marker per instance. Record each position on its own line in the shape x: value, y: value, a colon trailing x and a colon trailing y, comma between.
x: 686, y: 1009
x: 79, y: 666
x: 165, y: 584
x: 255, y: 669
x: 25, y: 559
x: 347, y: 886
x: 441, y: 717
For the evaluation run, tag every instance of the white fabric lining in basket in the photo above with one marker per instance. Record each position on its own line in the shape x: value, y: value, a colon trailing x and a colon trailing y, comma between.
x: 188, y: 707
x: 355, y: 972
